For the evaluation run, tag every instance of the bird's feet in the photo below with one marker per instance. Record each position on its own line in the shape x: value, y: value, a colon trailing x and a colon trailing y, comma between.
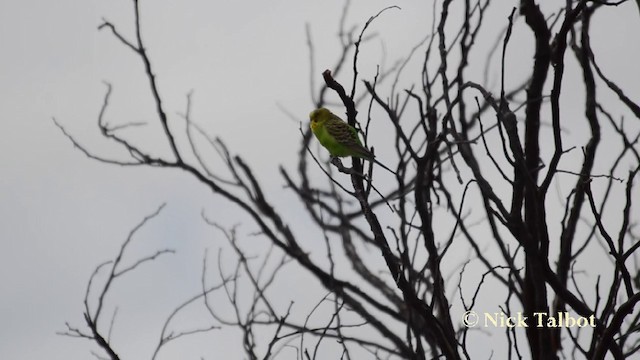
x: 343, y: 169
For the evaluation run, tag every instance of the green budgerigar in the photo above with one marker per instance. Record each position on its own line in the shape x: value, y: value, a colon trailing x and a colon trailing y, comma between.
x: 340, y: 138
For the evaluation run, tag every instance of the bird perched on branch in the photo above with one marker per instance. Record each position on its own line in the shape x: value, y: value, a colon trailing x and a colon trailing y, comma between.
x: 340, y: 138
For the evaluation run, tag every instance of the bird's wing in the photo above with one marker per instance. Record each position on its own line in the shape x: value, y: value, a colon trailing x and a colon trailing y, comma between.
x: 347, y: 136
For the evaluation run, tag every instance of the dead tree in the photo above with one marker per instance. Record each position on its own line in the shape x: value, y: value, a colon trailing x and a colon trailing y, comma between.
x: 471, y: 174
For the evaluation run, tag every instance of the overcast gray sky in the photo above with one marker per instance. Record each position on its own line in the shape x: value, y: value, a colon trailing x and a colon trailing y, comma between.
x: 61, y: 213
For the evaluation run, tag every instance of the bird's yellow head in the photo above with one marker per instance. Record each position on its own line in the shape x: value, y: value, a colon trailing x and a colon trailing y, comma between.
x: 318, y: 117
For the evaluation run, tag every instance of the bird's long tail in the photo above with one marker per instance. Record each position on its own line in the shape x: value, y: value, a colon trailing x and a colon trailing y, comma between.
x: 383, y: 166
x: 366, y: 154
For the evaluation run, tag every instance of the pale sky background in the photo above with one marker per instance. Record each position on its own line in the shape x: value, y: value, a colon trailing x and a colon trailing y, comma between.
x: 61, y: 213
